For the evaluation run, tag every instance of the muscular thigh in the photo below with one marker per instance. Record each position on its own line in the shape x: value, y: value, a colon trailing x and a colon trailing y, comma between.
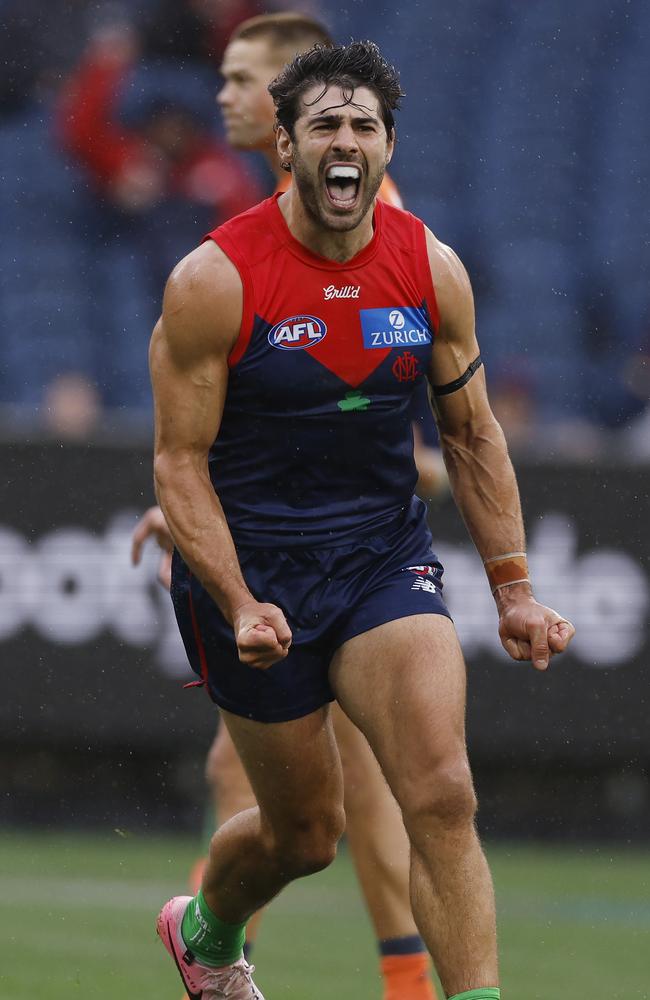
x: 403, y: 685
x: 293, y: 767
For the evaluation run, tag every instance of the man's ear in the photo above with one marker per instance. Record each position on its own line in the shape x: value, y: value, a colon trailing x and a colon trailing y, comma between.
x: 284, y: 147
x: 390, y: 148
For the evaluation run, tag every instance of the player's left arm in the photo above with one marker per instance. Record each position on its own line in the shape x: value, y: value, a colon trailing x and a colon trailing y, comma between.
x: 480, y: 472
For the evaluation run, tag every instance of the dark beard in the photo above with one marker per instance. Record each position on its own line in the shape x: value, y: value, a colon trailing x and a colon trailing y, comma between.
x: 308, y: 191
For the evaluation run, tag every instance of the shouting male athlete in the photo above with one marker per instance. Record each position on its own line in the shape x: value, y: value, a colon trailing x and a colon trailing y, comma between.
x: 304, y: 569
x: 256, y: 53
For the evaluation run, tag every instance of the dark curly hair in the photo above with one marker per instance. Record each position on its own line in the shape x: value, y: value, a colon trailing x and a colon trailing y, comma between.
x: 359, y: 64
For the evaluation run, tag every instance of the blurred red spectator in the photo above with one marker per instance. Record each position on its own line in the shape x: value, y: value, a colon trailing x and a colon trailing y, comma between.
x: 171, y: 153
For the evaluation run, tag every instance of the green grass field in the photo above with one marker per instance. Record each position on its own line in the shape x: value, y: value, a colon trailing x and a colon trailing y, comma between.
x: 77, y: 920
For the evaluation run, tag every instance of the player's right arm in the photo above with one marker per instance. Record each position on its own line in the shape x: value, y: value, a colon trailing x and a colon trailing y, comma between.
x: 201, y: 316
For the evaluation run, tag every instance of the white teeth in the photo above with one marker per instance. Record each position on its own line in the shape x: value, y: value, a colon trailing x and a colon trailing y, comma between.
x: 351, y: 171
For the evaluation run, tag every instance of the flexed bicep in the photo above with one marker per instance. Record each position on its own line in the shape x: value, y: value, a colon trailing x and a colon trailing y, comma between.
x: 189, y: 351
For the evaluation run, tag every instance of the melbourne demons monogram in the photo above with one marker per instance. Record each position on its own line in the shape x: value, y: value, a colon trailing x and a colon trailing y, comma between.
x: 406, y: 367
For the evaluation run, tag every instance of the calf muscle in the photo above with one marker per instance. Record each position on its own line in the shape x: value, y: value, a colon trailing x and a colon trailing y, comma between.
x: 295, y: 773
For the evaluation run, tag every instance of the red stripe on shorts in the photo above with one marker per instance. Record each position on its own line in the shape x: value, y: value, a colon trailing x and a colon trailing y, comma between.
x: 199, y: 644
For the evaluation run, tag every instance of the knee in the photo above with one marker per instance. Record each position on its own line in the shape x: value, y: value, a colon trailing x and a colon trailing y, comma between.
x: 307, y: 844
x: 360, y: 787
x: 223, y: 767
x: 364, y: 786
x: 445, y: 799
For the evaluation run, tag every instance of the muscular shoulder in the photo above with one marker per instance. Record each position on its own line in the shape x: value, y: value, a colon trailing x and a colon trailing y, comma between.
x: 452, y: 286
x: 202, y: 305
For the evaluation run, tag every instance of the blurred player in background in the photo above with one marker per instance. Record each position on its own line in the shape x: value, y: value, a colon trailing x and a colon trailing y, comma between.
x: 141, y: 128
x: 256, y: 53
x: 309, y: 502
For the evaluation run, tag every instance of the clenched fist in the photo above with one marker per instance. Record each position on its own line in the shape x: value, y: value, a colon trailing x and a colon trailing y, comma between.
x: 262, y: 634
x: 531, y: 631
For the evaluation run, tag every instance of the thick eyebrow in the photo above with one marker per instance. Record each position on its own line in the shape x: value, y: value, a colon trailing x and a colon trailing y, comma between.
x: 330, y: 119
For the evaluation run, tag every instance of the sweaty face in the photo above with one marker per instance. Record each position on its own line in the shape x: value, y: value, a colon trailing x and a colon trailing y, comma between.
x: 246, y: 105
x: 338, y: 155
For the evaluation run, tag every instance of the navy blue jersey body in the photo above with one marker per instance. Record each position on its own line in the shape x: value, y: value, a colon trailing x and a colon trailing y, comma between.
x: 316, y: 444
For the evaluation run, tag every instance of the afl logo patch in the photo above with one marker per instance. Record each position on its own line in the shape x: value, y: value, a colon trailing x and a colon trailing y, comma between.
x: 297, y: 332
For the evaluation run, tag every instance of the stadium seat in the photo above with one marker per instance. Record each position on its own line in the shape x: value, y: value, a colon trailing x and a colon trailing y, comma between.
x: 619, y: 244
x: 42, y: 295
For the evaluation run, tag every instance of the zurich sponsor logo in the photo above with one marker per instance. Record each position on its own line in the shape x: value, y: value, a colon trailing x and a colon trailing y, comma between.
x: 296, y: 332
x: 403, y: 327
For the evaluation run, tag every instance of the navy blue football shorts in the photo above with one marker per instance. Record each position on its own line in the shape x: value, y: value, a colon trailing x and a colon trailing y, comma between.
x: 327, y: 595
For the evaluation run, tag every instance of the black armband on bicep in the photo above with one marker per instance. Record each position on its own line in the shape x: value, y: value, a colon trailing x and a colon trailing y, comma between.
x: 458, y: 383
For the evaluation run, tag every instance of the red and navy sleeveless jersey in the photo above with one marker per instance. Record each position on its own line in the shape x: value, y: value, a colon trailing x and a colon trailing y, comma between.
x: 316, y: 445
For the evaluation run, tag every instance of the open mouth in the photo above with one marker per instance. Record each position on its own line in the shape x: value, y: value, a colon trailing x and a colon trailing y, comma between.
x: 342, y: 183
